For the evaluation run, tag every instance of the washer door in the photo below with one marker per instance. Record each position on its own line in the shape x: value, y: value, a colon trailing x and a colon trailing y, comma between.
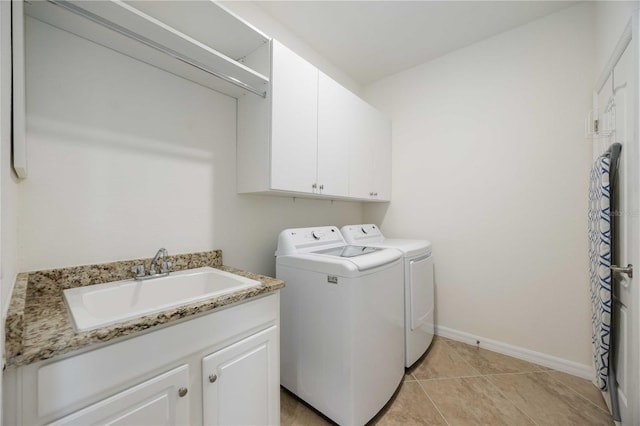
x: 421, y: 290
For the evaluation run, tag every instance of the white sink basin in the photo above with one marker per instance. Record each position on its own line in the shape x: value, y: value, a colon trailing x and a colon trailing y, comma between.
x: 99, y: 305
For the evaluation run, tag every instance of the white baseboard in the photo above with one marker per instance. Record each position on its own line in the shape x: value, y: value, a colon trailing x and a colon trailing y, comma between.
x: 560, y: 364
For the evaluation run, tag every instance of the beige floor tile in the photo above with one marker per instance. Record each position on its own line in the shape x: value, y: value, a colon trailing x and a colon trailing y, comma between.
x: 547, y: 402
x: 582, y: 386
x: 473, y: 401
x: 410, y: 406
x: 442, y: 361
x: 487, y: 362
x: 442, y: 339
x: 408, y: 376
x: 295, y: 413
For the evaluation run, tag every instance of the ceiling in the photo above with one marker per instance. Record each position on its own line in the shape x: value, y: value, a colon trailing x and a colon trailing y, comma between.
x: 370, y: 40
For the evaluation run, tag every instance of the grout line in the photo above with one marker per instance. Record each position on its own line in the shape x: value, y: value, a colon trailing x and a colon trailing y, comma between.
x: 449, y: 378
x: 455, y: 351
x: 579, y: 394
x: 433, y: 403
x: 515, y: 373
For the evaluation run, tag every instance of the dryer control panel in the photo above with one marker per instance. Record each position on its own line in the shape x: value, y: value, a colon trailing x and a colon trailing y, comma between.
x: 361, y: 234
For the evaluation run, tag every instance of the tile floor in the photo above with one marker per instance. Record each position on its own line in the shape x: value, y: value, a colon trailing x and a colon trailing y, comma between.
x: 459, y: 384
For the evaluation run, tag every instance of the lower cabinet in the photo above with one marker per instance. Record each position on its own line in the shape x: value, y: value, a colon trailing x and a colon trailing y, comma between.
x: 222, y: 368
x: 163, y: 400
x: 237, y: 380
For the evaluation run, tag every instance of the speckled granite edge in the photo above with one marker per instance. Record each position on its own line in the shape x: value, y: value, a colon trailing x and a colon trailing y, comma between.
x: 14, y: 324
x: 38, y: 326
x: 78, y: 276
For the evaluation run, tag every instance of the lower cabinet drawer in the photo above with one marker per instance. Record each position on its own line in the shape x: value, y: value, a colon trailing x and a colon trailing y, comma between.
x: 162, y: 400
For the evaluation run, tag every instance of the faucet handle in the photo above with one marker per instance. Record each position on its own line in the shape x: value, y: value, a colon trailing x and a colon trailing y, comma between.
x: 138, y: 270
x: 165, y: 267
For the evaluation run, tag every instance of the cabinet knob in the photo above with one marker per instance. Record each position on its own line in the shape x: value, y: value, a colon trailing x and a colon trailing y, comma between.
x: 375, y: 194
x: 321, y: 188
x: 314, y: 186
x: 182, y: 392
x: 212, y: 378
x: 371, y: 194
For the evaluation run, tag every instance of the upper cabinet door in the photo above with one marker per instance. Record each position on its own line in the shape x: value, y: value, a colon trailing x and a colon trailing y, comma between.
x: 361, y: 154
x: 380, y: 128
x: 336, y: 128
x: 294, y: 121
x: 370, y: 154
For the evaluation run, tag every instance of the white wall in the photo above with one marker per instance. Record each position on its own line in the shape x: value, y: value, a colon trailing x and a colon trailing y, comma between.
x: 125, y: 158
x: 490, y: 163
x: 256, y: 16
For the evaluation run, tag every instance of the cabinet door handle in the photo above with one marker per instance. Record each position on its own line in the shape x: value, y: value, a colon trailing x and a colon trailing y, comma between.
x: 371, y: 194
x: 182, y: 392
x: 212, y: 378
x: 321, y: 188
x: 375, y: 194
x: 314, y: 186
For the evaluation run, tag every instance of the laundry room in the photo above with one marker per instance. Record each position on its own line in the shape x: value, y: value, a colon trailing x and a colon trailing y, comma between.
x: 252, y: 156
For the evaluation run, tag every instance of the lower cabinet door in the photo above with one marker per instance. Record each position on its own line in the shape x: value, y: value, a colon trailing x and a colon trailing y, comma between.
x: 162, y: 400
x: 241, y: 383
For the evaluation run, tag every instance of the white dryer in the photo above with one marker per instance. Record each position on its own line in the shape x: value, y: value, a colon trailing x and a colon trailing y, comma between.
x: 342, y: 323
x: 418, y: 285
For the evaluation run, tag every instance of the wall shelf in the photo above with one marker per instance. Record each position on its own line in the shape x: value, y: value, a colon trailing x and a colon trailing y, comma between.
x: 197, y: 40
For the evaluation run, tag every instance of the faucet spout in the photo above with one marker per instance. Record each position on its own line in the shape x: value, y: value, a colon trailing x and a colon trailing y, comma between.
x: 162, y: 253
x: 159, y: 259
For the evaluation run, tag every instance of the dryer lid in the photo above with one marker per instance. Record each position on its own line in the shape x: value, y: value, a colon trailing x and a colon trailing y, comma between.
x: 410, y: 248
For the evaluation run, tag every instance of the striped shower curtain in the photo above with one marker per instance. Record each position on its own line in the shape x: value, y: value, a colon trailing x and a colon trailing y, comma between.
x: 599, y: 267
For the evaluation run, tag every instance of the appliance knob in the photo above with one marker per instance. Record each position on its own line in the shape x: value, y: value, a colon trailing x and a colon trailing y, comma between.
x: 364, y: 231
x: 315, y: 235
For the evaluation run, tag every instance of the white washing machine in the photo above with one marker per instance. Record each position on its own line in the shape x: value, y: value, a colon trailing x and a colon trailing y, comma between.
x: 418, y: 285
x: 342, y: 323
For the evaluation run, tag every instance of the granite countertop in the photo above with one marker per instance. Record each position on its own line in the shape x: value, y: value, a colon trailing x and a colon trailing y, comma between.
x: 38, y: 325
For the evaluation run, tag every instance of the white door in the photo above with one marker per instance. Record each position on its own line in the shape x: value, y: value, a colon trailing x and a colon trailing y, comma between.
x: 617, y: 120
x: 241, y: 383
x: 294, y: 128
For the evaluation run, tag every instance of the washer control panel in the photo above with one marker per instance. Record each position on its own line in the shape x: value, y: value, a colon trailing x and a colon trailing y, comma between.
x: 299, y: 240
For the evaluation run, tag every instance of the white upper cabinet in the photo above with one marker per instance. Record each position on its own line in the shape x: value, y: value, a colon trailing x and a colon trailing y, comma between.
x: 370, y: 155
x: 294, y: 122
x: 311, y: 137
x: 336, y: 106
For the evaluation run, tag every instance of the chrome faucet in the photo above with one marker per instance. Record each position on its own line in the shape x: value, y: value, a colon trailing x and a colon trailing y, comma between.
x: 154, y: 263
x: 165, y: 267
